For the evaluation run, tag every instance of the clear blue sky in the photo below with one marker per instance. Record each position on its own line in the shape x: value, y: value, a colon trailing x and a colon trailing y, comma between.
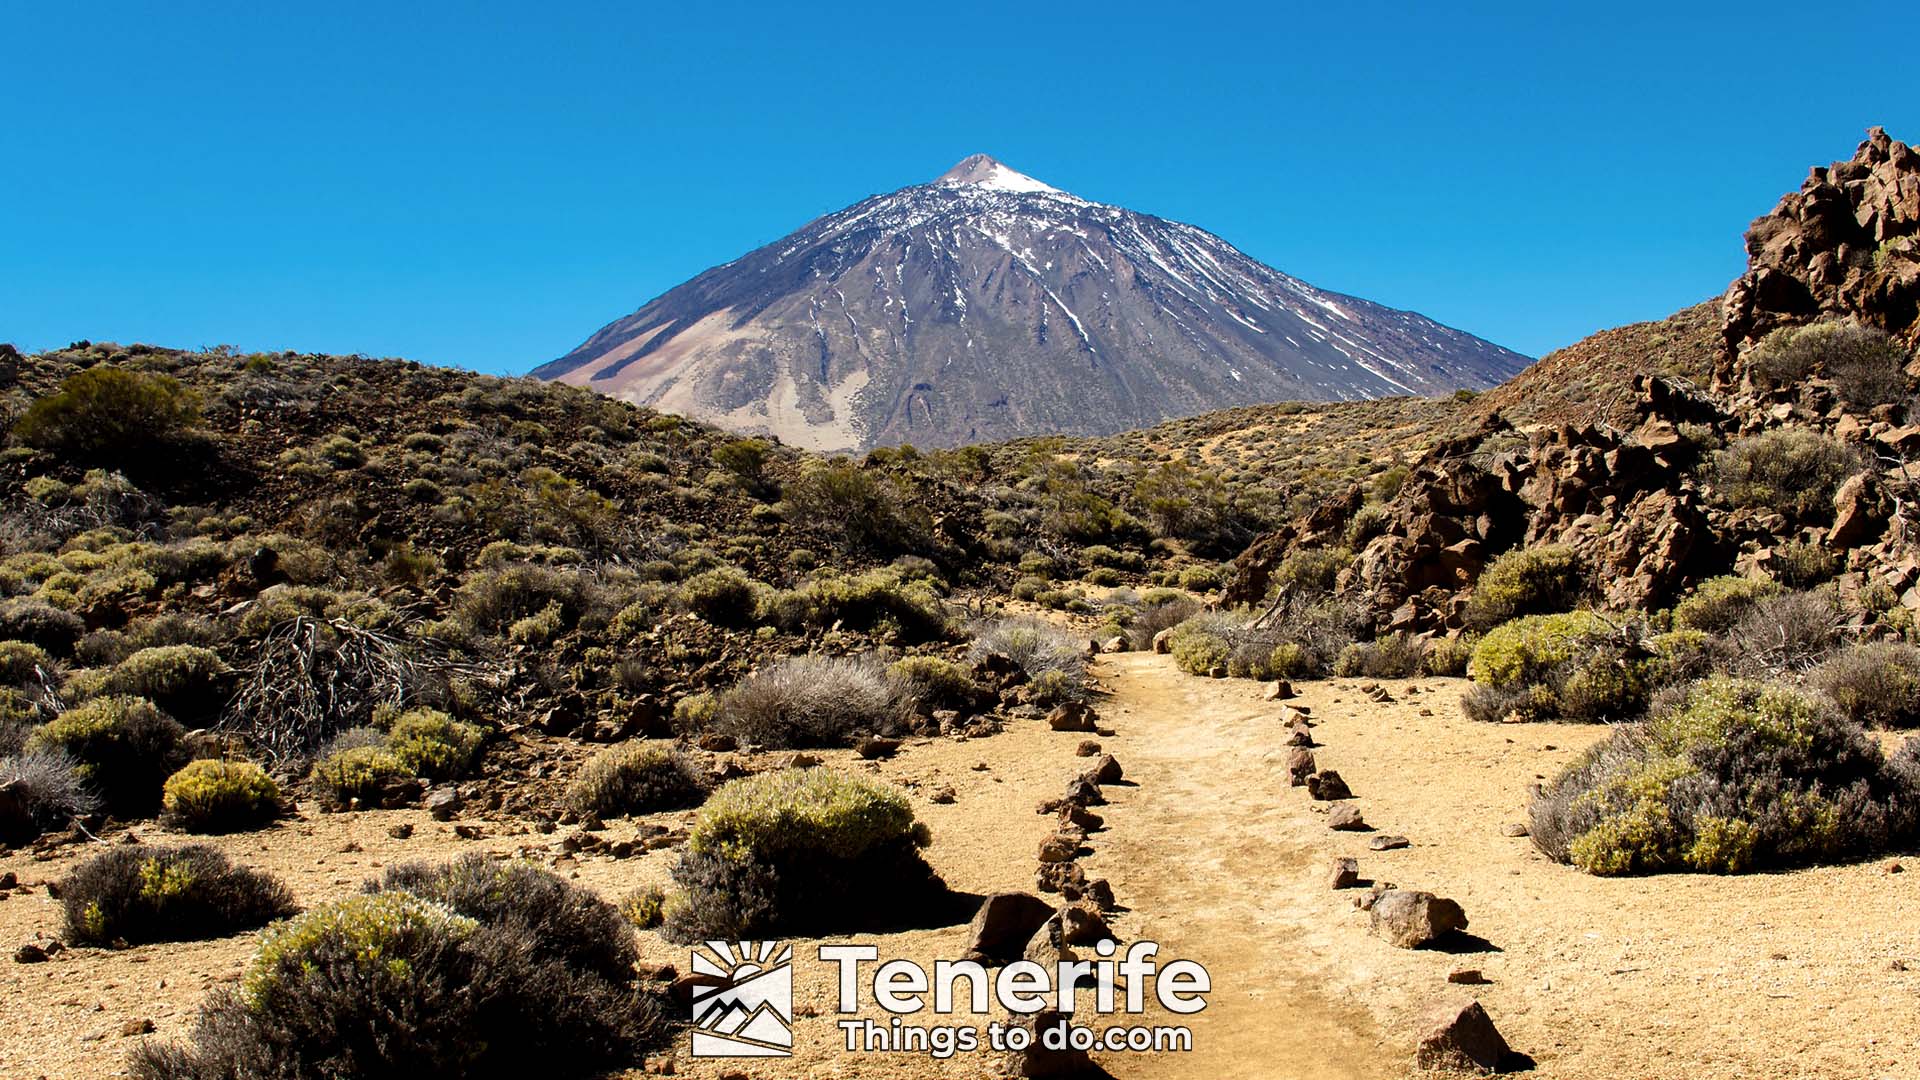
x: 486, y: 184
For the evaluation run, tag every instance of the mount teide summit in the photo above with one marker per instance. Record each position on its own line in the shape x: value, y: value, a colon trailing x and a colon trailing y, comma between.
x: 987, y: 305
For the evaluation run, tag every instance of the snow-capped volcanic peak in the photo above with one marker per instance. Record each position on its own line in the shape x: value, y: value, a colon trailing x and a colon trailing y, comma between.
x: 983, y: 171
x: 987, y: 305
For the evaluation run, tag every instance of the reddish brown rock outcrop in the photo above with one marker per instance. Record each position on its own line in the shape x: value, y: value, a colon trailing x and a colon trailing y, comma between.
x: 1846, y: 244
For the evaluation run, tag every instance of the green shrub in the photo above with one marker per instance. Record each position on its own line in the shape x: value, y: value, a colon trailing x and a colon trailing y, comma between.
x: 695, y: 712
x: 1718, y: 604
x: 1791, y: 471
x: 431, y: 744
x: 25, y: 664
x: 879, y: 602
x: 1312, y: 569
x: 644, y: 907
x: 810, y: 701
x: 124, y: 748
x: 219, y: 796
x: 634, y: 778
x: 1865, y: 364
x: 858, y: 509
x: 184, y: 680
x: 933, y: 683
x: 571, y: 924
x: 723, y: 597
x: 1200, y: 578
x: 137, y: 893
x: 495, y: 599
x: 392, y: 983
x: 1201, y: 644
x: 1802, y: 564
x: 1737, y: 775
x: 1875, y: 684
x: 1448, y: 657
x: 54, y: 629
x: 1574, y: 666
x: 1396, y: 656
x: 107, y: 412
x: 795, y: 852
x: 1527, y: 581
x: 343, y: 775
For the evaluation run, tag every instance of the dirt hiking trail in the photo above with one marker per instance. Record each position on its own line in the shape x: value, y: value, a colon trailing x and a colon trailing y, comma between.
x: 1195, y: 843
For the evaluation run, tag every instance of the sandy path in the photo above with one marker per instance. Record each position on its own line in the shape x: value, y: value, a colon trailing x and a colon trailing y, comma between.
x: 1808, y: 974
x: 1195, y: 849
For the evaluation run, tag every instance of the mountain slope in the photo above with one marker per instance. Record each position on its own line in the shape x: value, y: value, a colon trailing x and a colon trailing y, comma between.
x: 988, y: 305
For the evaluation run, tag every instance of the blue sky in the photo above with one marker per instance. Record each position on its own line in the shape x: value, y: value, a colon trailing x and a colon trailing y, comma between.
x: 486, y: 184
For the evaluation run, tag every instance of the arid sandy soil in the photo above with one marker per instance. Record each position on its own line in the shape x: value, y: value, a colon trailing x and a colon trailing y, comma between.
x: 1768, y: 976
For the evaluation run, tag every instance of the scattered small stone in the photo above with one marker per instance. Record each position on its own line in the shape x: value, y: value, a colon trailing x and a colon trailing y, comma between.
x: 1896, y: 868
x: 801, y: 760
x: 1060, y: 847
x: 1065, y: 878
x: 874, y: 747
x: 9, y: 880
x: 1388, y: 842
x: 1461, y: 1039
x: 1299, y: 735
x: 1087, y: 748
x: 1366, y: 900
x: 1084, y: 792
x: 1115, y: 645
x: 1296, y: 714
x: 1300, y: 765
x: 1344, y: 874
x: 1099, y: 892
x: 141, y: 1026
x: 1514, y: 828
x: 1467, y: 977
x: 1327, y: 786
x: 1105, y: 771
x: 1079, y: 817
x: 1346, y: 818
x: 467, y: 832
x: 1281, y: 690
x: 401, y: 831
x: 942, y: 795
x: 1163, y: 641
x: 716, y: 743
x: 1071, y: 716
x: 29, y: 953
x: 442, y: 803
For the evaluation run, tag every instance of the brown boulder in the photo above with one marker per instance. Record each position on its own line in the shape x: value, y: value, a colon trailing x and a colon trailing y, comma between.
x: 1071, y: 716
x: 1003, y: 926
x: 1326, y: 785
x: 1344, y: 874
x: 1300, y: 765
x: 1409, y: 918
x: 1461, y: 1038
